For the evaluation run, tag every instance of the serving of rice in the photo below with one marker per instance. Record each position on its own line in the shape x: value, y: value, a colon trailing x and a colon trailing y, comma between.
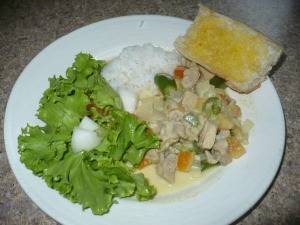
x: 136, y: 66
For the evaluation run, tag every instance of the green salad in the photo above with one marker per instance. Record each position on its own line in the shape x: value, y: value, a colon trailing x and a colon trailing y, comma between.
x: 96, y: 177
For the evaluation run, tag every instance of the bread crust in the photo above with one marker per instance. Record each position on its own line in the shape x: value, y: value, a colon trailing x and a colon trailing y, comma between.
x: 266, y: 50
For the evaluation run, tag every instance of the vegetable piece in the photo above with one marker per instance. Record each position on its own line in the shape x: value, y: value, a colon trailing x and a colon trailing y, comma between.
x: 237, y: 132
x: 94, y: 185
x: 236, y: 111
x: 218, y: 82
x: 189, y: 147
x: 198, y: 150
x: 130, y: 141
x: 206, y: 165
x: 235, y: 147
x: 165, y: 83
x: 40, y: 147
x: 88, y: 124
x: 178, y: 72
x: 91, y: 178
x: 185, y: 161
x: 212, y: 106
x: 84, y: 75
x: 129, y: 99
x: 224, y: 122
x: 247, y: 126
x: 192, y: 119
x: 84, y: 140
x: 145, y: 162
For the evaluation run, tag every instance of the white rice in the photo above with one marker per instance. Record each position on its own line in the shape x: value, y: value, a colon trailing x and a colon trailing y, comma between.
x: 136, y: 66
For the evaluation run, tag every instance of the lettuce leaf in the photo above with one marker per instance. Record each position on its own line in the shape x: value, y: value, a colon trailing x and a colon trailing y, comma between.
x: 95, y: 188
x: 92, y: 179
x: 39, y: 149
x: 66, y: 113
x: 135, y: 136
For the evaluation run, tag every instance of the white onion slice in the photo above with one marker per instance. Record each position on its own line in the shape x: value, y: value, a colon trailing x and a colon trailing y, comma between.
x: 129, y: 99
x: 84, y: 140
x: 88, y: 124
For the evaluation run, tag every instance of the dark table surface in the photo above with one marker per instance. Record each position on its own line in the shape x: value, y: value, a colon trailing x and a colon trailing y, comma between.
x: 27, y: 27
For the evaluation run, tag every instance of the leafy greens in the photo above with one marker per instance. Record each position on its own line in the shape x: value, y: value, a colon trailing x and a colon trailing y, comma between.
x: 91, y: 178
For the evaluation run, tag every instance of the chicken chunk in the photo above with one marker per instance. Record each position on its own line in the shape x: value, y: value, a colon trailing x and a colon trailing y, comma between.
x: 167, y: 165
x: 221, y: 146
x: 190, y: 77
x: 223, y: 158
x: 208, y: 135
x: 192, y: 133
x: 168, y: 130
x: 175, y: 115
x: 190, y: 99
x: 210, y: 158
x: 223, y: 134
x: 170, y: 105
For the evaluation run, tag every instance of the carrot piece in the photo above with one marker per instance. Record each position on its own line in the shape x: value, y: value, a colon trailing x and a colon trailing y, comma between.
x: 145, y: 162
x: 178, y: 72
x: 185, y: 161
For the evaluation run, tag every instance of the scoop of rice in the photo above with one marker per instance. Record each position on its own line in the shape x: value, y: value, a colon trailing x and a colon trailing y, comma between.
x: 136, y: 66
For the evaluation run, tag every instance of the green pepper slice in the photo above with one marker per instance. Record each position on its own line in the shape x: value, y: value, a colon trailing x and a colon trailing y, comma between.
x: 212, y: 106
x: 165, y: 83
x: 206, y: 165
x: 218, y: 82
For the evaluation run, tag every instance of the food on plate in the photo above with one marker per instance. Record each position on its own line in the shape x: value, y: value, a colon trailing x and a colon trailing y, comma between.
x: 136, y: 65
x: 88, y: 141
x: 109, y: 123
x: 229, y: 49
x: 105, y: 122
x: 198, y: 122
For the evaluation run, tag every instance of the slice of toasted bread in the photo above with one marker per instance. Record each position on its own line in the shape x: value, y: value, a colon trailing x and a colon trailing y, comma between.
x: 229, y: 49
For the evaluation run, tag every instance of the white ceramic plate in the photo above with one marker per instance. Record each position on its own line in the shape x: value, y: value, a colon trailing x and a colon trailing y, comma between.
x: 220, y: 198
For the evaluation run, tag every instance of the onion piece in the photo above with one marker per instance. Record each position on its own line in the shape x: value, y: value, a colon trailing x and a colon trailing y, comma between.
x: 129, y: 99
x: 84, y: 140
x: 247, y: 126
x: 88, y: 124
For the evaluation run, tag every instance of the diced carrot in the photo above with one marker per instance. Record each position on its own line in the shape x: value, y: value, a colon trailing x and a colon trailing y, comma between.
x: 185, y: 161
x: 235, y: 147
x: 145, y: 162
x: 178, y: 72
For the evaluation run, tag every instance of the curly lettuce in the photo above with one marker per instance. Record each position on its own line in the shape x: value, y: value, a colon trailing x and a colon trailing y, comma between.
x: 91, y: 178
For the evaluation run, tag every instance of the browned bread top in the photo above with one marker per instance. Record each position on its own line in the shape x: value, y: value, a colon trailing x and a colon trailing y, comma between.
x: 229, y: 49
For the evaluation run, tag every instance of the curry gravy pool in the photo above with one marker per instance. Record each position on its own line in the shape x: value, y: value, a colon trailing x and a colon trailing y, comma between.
x: 187, y: 184
x: 182, y: 179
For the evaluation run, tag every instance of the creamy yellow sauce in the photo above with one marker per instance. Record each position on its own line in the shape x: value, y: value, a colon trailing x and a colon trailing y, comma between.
x: 182, y: 179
